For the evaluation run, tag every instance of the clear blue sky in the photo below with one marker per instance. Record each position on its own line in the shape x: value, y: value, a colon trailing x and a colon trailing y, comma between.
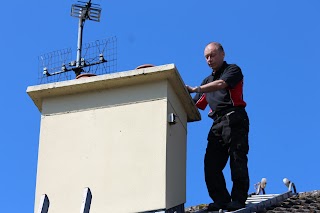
x: 276, y: 43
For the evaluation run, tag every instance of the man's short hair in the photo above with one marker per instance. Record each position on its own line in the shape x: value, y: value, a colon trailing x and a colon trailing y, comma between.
x: 218, y: 45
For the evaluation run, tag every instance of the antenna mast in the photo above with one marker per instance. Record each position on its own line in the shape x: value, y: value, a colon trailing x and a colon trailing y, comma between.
x: 83, y: 11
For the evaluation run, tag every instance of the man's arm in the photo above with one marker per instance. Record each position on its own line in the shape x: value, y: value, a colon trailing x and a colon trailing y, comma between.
x: 229, y: 78
x: 209, y: 87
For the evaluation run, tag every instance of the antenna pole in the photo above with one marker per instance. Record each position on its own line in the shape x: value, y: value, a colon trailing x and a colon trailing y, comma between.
x: 80, y: 31
x: 84, y: 14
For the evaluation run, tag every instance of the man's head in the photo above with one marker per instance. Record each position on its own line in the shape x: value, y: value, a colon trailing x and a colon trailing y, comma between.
x: 214, y: 55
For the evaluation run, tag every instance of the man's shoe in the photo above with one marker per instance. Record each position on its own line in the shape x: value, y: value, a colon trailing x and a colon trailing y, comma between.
x: 216, y: 206
x: 235, y: 205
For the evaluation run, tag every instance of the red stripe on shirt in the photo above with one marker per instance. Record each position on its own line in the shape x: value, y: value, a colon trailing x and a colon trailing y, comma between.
x: 236, y: 95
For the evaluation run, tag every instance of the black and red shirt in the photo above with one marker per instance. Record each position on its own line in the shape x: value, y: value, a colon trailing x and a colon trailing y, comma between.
x: 231, y: 96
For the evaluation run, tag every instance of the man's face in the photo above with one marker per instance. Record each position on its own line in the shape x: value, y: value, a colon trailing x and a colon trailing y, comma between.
x: 214, y: 56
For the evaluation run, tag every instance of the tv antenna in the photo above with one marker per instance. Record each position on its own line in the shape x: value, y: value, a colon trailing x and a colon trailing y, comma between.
x: 98, y: 57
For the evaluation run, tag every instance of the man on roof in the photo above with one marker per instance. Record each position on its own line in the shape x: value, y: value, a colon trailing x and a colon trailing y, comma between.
x: 222, y: 90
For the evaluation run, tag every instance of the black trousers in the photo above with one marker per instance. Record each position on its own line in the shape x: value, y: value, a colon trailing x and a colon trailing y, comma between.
x: 228, y: 137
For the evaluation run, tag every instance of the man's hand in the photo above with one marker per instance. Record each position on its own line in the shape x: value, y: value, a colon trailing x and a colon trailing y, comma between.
x: 191, y: 89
